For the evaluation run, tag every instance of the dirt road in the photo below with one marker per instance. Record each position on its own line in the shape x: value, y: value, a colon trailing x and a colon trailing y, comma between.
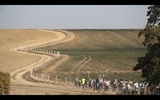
x: 21, y: 86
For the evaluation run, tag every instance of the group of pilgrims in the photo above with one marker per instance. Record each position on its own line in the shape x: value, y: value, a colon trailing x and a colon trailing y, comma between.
x: 121, y: 87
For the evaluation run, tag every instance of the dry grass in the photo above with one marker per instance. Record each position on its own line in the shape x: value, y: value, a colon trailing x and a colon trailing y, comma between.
x: 87, y: 51
x: 10, y: 38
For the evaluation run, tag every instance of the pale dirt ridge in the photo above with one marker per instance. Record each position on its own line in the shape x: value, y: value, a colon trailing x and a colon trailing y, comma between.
x: 17, y: 63
x: 16, y: 76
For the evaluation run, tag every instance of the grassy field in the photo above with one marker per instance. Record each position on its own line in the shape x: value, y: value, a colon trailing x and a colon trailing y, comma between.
x: 112, y: 53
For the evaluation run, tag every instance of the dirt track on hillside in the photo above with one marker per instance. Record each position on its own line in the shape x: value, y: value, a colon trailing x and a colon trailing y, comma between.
x: 20, y: 62
x: 19, y: 84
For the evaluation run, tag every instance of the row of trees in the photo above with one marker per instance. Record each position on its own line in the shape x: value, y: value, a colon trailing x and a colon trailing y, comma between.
x: 150, y: 63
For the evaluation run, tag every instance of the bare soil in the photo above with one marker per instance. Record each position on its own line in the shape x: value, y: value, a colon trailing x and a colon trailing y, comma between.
x: 18, y: 63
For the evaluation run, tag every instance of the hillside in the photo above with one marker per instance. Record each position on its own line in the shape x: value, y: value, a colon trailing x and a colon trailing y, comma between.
x: 13, y: 38
x: 112, y: 53
x: 101, y: 40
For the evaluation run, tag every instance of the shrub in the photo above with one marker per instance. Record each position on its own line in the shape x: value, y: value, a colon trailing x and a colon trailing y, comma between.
x: 4, y: 83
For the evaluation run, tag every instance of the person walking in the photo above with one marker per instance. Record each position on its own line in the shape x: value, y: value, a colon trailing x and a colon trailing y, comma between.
x: 83, y: 82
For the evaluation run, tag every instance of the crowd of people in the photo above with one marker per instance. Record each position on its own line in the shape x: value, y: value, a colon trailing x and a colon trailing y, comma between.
x: 121, y: 87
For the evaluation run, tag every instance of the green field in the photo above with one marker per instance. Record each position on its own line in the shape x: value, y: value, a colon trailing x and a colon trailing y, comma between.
x: 112, y: 53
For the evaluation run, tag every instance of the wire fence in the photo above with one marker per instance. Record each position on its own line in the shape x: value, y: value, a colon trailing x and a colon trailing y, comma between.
x: 34, y: 72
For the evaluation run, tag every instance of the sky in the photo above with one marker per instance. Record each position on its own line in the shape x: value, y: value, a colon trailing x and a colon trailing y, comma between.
x: 73, y: 16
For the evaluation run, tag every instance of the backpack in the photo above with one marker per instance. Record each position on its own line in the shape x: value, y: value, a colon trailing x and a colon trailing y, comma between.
x: 142, y: 85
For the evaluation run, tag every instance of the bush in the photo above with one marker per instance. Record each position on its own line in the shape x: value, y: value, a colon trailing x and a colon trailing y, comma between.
x: 4, y: 83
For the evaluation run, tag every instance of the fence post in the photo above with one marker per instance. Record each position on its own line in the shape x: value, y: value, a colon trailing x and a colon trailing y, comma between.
x: 48, y: 79
x: 42, y: 77
x: 66, y: 80
x: 56, y: 79
x: 31, y: 72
